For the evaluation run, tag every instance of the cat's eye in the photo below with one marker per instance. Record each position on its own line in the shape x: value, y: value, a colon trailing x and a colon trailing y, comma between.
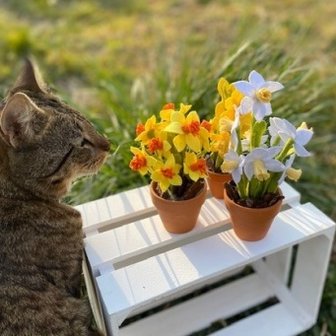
x: 86, y: 143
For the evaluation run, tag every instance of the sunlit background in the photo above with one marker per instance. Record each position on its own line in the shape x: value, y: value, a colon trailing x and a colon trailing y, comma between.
x: 119, y: 61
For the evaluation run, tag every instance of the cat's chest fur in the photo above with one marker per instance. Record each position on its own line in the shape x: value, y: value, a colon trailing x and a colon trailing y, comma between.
x: 45, y: 239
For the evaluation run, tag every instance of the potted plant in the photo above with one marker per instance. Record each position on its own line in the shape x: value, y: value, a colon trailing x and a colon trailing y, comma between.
x: 219, y: 128
x: 171, y: 151
x: 260, y: 160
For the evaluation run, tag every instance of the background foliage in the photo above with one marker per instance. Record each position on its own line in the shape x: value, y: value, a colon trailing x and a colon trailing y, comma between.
x: 120, y: 61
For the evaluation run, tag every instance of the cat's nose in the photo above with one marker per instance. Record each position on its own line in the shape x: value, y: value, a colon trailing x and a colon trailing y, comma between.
x: 103, y: 144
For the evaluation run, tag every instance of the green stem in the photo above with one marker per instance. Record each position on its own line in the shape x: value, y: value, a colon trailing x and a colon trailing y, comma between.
x: 242, y: 187
x: 283, y: 154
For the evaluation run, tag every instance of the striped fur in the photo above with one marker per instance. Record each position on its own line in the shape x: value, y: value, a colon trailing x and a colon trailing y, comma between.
x: 44, y: 146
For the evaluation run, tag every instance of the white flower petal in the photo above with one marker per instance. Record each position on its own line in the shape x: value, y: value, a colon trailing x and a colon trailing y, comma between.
x: 268, y: 108
x: 273, y: 86
x: 272, y: 151
x: 303, y: 136
x: 244, y: 87
x: 256, y: 80
x: 258, y: 154
x: 264, y: 139
x: 234, y: 139
x: 248, y: 169
x: 274, y: 166
x: 231, y: 156
x: 259, y: 110
x: 272, y: 128
x: 246, y: 105
x: 301, y: 151
x: 284, y: 136
x: 290, y: 161
x: 288, y: 128
x: 236, y: 175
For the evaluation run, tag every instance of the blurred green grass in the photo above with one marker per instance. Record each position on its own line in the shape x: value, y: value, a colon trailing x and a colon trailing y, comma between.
x: 120, y: 61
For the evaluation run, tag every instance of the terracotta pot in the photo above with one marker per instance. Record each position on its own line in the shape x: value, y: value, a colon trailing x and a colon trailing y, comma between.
x: 178, y: 216
x: 216, y: 183
x: 251, y: 224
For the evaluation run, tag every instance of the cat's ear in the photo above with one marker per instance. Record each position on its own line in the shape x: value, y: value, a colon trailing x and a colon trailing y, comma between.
x: 19, y: 119
x: 30, y: 78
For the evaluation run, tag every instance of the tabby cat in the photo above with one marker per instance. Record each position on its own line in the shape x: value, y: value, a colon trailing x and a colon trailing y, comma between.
x: 44, y: 145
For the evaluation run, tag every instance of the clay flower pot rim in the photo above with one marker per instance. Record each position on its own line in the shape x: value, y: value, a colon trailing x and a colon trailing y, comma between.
x: 215, y: 173
x: 168, y: 201
x: 252, y: 209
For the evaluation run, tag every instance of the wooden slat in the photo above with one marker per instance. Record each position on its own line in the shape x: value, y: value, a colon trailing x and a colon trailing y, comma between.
x: 275, y: 321
x: 142, y: 239
x: 116, y: 209
x: 128, y: 206
x: 200, y: 311
x: 148, y: 237
x: 133, y: 286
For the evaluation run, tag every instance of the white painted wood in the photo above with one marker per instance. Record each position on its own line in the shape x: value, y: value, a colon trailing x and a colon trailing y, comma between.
x: 292, y: 196
x: 92, y: 294
x: 279, y: 263
x: 194, y: 314
x: 273, y: 321
x: 148, y: 237
x: 187, y: 290
x: 116, y: 208
x: 136, y: 265
x: 283, y: 294
x: 144, y: 238
x: 131, y: 205
x: 311, y: 262
x: 130, y: 287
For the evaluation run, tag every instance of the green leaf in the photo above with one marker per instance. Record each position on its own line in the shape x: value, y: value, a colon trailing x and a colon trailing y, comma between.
x: 258, y: 130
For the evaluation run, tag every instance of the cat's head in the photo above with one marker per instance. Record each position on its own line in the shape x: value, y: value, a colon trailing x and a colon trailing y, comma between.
x: 47, y: 143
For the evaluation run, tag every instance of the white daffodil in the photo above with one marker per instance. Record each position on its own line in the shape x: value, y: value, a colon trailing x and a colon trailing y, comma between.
x: 258, y: 94
x: 285, y: 130
x: 233, y: 164
x: 246, y: 143
x: 290, y: 172
x: 260, y: 161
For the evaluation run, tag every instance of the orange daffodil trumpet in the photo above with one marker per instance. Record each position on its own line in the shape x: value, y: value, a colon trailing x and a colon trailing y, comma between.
x: 171, y: 151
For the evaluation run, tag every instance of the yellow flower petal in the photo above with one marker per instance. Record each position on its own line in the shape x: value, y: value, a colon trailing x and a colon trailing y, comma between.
x: 164, y: 185
x: 179, y: 142
x: 223, y: 87
x: 165, y: 115
x: 176, y: 180
x: 150, y: 123
x: 174, y: 127
x: 177, y: 117
x: 184, y: 108
x: 192, y: 116
x: 193, y: 142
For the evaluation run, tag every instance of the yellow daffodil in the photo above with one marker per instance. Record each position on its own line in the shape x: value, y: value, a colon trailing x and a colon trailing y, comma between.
x: 167, y: 173
x: 148, y: 131
x: 189, y: 132
x: 140, y: 162
x: 158, y: 145
x: 166, y: 111
x: 194, y: 167
x: 220, y: 143
x: 245, y: 124
x: 169, y: 108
